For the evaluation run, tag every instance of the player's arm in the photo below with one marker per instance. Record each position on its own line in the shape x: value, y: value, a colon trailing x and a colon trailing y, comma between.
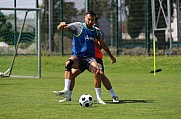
x: 62, y: 26
x: 98, y: 45
x: 105, y: 47
x: 74, y: 27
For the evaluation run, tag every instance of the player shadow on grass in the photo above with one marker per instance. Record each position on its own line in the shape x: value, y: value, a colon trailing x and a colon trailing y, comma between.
x: 129, y: 101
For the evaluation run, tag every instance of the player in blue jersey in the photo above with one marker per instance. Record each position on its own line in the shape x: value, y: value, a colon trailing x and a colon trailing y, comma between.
x: 83, y: 52
x: 104, y: 79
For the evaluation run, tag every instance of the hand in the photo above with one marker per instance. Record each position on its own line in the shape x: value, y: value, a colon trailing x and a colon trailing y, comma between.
x: 113, y: 59
x: 61, y: 25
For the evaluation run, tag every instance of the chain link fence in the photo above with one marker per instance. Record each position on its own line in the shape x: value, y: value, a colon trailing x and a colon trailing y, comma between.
x: 127, y: 24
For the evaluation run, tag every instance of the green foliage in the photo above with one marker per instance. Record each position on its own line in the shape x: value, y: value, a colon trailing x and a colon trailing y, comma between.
x: 134, y: 28
x: 69, y: 12
x: 102, y: 7
x: 142, y: 95
x: 161, y: 21
x: 135, y: 21
x: 136, y: 18
x: 68, y: 9
x: 5, y: 29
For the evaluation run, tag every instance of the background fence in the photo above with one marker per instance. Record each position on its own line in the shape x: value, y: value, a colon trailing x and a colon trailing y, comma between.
x: 127, y: 24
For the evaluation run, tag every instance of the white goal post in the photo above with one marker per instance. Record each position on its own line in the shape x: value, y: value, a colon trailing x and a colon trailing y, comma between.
x: 20, y: 31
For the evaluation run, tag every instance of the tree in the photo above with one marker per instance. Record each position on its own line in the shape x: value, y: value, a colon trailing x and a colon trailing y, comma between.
x: 161, y: 22
x: 105, y: 9
x: 69, y: 12
x: 6, y: 29
x: 135, y: 21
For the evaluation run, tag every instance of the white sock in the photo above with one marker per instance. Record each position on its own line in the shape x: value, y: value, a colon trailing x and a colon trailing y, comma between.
x: 98, y: 93
x: 67, y: 84
x: 111, y: 91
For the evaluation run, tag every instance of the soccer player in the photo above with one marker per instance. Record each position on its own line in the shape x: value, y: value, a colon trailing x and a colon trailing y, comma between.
x: 104, y: 79
x: 83, y: 52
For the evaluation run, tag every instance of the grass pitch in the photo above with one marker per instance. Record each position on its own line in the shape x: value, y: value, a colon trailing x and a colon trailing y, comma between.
x: 142, y: 96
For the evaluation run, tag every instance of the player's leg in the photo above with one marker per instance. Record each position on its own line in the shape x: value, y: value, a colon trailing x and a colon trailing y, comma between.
x: 106, y: 82
x: 97, y: 80
x: 97, y: 85
x: 72, y: 62
x: 75, y: 73
x: 108, y: 86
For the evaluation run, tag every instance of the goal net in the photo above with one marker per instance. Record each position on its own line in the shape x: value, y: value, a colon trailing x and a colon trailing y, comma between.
x: 20, y: 42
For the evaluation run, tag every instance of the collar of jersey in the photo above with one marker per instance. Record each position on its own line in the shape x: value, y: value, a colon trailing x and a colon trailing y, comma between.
x: 88, y: 28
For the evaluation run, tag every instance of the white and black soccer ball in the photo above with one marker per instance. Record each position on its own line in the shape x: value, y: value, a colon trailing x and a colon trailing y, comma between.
x: 86, y: 100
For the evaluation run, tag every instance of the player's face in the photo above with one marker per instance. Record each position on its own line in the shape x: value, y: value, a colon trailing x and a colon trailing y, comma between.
x: 89, y: 21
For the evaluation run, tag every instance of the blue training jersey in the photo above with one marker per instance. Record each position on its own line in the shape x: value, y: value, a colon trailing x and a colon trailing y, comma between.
x: 83, y: 43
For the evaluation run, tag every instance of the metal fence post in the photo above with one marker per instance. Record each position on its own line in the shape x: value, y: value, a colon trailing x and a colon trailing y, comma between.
x: 87, y: 5
x: 50, y: 24
x: 178, y: 22
x: 147, y: 28
x: 61, y: 32
x: 116, y: 27
x: 15, y: 25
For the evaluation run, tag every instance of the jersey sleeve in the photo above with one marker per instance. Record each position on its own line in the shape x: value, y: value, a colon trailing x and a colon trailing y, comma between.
x: 75, y: 28
x: 102, y: 34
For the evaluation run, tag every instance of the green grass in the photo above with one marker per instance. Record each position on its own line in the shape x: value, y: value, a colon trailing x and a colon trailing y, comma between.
x: 142, y: 95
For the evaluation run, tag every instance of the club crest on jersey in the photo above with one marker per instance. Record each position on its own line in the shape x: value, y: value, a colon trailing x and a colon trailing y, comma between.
x: 87, y: 38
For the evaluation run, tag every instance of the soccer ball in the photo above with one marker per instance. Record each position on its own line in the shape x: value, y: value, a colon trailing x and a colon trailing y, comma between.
x: 86, y: 100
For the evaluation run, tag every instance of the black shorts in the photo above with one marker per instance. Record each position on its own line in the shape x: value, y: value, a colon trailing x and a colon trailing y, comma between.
x: 100, y: 64
x: 85, y: 62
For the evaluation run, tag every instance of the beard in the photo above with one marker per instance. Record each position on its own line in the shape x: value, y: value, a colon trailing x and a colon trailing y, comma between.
x: 89, y: 26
